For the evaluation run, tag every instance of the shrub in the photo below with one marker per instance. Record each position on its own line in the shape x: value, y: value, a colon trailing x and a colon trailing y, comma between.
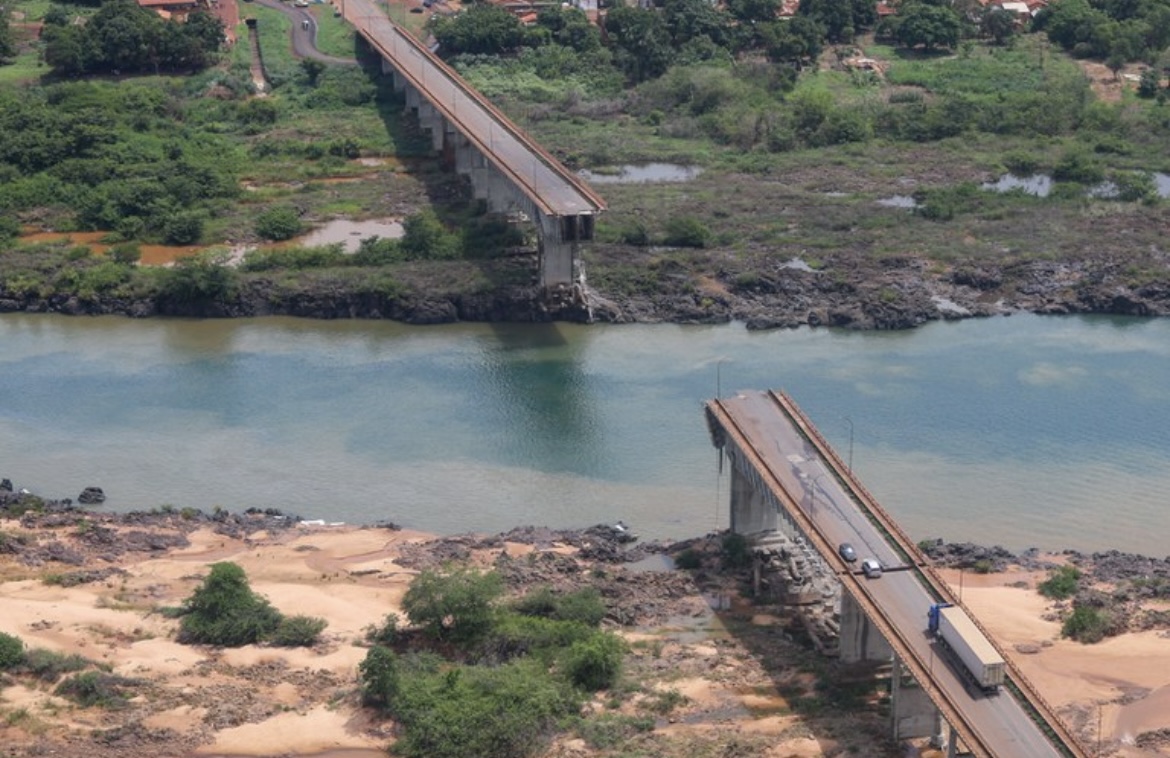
x: 513, y: 636
x: 1086, y: 624
x: 736, y: 552
x: 595, y: 664
x: 197, y: 278
x: 380, y: 677
x: 48, y: 666
x: 503, y: 712
x: 455, y: 606
x: 280, y: 222
x: 126, y: 253
x: 612, y: 730
x: 224, y: 611
x: 584, y: 606
x: 386, y: 634
x: 425, y: 238
x: 539, y: 602
x: 298, y: 631
x: 689, y: 559
x: 11, y: 651
x: 95, y: 689
x: 1061, y: 583
x: 686, y: 232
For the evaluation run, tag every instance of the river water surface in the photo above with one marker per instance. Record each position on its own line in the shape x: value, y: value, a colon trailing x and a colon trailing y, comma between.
x: 1044, y: 431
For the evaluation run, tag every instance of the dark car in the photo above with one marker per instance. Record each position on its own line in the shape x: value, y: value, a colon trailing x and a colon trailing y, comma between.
x: 847, y: 552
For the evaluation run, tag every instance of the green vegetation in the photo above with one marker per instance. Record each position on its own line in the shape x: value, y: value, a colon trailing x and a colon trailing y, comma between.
x: 224, y: 611
x: 512, y: 673
x: 1086, y: 624
x: 123, y: 37
x: 11, y: 651
x: 96, y: 689
x: 49, y: 666
x: 1062, y: 583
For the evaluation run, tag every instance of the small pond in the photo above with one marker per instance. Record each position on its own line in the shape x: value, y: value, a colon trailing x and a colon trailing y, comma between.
x: 641, y: 173
x: 350, y: 233
x: 1040, y: 185
x: 898, y: 201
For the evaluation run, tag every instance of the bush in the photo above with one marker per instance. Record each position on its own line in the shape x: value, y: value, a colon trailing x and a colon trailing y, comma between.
x: 689, y: 559
x: 380, y: 677
x: 595, y: 664
x: 197, y: 278
x: 386, y: 634
x: 1087, y: 625
x: 95, y: 689
x: 425, y: 238
x: 513, y: 636
x: 11, y: 651
x: 1061, y: 583
x: 298, y: 631
x: 224, y: 611
x: 48, y: 666
x: 611, y: 730
x: 584, y: 606
x: 472, y: 712
x: 736, y: 552
x: 686, y: 232
x: 455, y: 606
x: 280, y: 222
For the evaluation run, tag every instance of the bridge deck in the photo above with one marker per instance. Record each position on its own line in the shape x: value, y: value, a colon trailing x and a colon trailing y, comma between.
x: 552, y: 187
x: 812, y: 484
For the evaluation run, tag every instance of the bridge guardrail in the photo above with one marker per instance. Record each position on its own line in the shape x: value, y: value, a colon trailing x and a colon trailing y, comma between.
x: 453, y: 77
x: 858, y: 588
x: 1035, y: 699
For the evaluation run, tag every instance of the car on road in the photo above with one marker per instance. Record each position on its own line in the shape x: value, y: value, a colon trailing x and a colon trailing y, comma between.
x: 847, y: 552
x: 871, y: 568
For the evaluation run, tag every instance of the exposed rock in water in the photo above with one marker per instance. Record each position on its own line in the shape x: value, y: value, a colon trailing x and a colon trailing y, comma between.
x: 91, y: 496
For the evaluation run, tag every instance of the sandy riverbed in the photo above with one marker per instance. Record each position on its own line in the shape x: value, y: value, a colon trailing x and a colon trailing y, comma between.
x: 259, y: 701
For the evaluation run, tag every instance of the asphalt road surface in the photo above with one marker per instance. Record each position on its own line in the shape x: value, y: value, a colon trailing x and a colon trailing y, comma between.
x: 998, y: 719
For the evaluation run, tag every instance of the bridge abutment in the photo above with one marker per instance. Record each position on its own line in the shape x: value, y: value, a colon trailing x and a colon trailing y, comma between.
x: 912, y: 714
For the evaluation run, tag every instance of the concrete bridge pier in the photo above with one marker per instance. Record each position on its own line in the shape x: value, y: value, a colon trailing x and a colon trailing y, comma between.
x: 912, y: 714
x: 860, y: 639
x: 750, y: 510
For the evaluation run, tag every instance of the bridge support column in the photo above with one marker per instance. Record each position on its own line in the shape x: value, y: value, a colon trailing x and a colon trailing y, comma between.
x: 556, y: 253
x: 912, y: 714
x: 860, y: 640
x: 750, y: 511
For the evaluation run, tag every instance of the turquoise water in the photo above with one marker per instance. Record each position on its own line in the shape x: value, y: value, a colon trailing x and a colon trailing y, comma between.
x: 1045, y: 431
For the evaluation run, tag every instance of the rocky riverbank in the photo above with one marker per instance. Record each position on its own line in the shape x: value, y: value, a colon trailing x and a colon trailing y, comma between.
x: 846, y: 291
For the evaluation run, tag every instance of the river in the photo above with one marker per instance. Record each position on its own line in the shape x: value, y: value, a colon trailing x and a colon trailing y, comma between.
x: 1022, y: 431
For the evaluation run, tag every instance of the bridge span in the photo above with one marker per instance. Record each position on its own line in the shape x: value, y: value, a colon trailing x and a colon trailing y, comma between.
x: 507, y: 168
x: 786, y: 477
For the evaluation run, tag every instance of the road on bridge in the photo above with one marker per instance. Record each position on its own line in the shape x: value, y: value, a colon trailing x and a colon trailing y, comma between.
x: 1000, y: 720
x: 557, y: 191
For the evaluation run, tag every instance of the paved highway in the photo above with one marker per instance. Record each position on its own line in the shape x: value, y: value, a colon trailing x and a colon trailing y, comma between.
x: 999, y: 720
x: 554, y: 189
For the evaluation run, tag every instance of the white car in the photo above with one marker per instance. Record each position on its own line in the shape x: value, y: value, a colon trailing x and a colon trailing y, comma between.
x: 871, y: 568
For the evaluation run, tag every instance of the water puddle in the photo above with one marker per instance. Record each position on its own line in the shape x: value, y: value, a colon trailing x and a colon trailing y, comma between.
x: 92, y: 240
x: 898, y: 201
x: 1038, y: 185
x: 350, y: 233
x: 640, y: 173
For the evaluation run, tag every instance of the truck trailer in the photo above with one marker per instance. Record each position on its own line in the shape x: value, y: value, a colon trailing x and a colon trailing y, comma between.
x: 958, y: 633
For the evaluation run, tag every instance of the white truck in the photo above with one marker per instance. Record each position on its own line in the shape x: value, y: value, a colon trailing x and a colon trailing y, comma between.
x: 958, y: 633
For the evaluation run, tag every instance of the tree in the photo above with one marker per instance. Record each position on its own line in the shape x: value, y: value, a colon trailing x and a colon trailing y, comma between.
x: 796, y: 41
x: 841, y: 19
x: 689, y: 20
x: 455, y: 606
x: 11, y: 651
x: 280, y: 222
x: 225, y: 611
x: 480, y: 29
x: 312, y: 69
x: 928, y: 25
x: 753, y: 11
x: 641, y: 41
x: 999, y: 24
x: 425, y: 238
x: 7, y: 41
